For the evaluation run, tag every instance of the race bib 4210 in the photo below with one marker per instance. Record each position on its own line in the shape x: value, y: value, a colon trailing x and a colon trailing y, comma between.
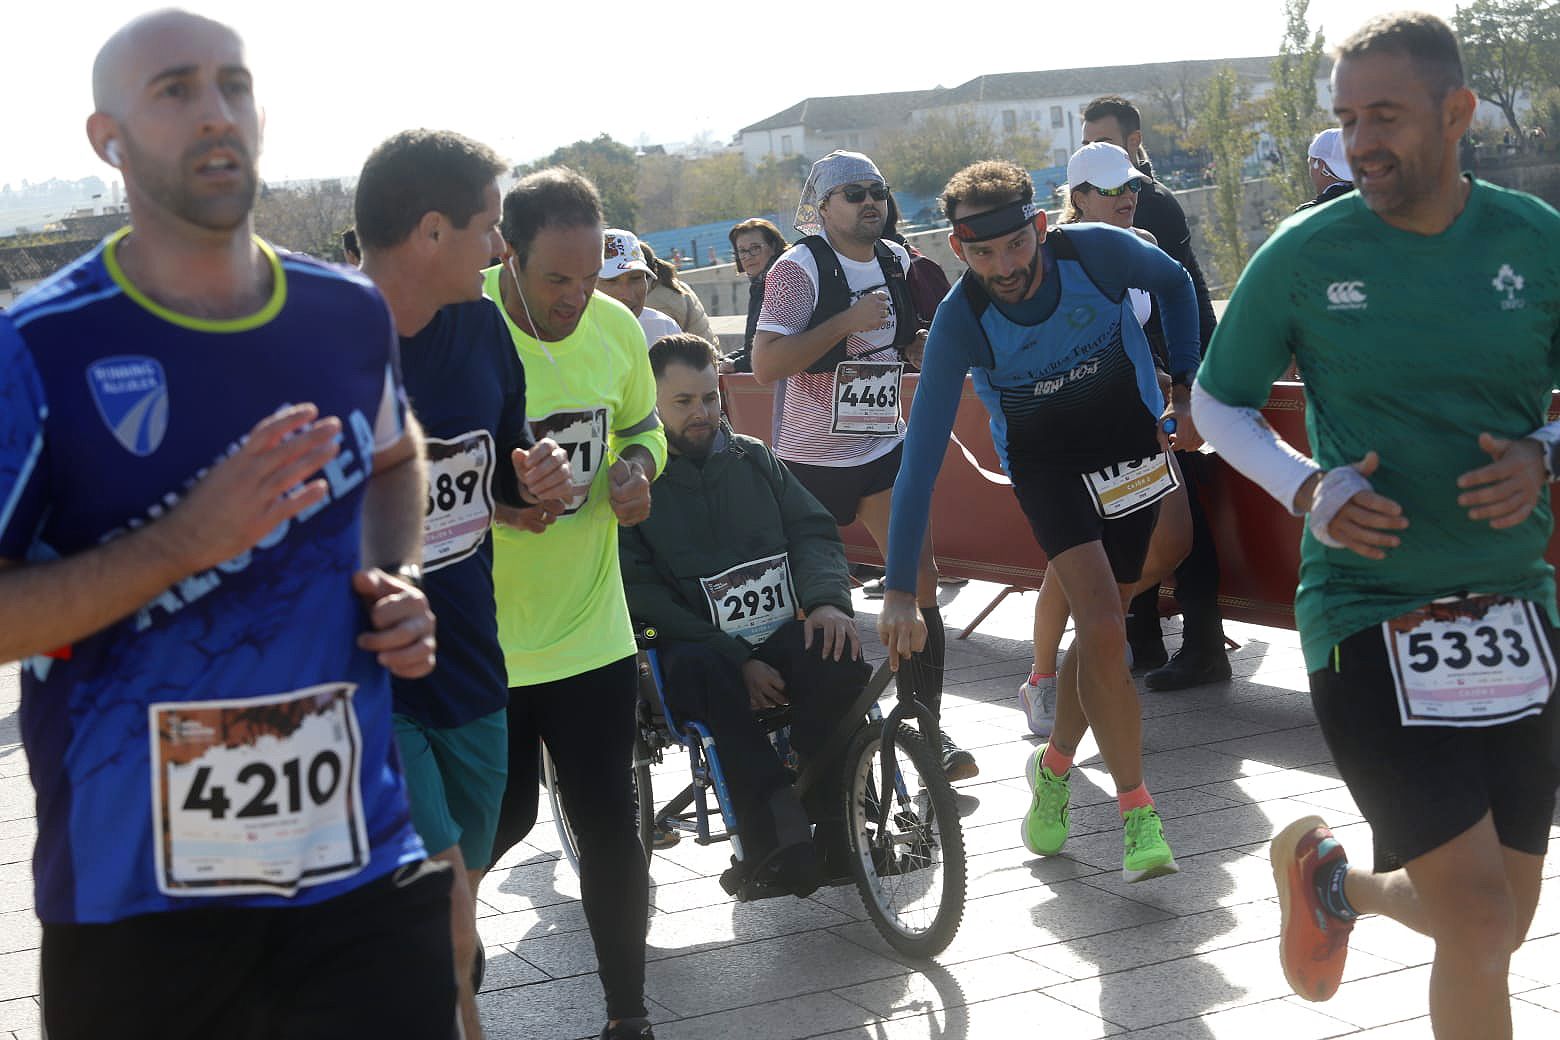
x: 259, y: 795
x: 1469, y: 661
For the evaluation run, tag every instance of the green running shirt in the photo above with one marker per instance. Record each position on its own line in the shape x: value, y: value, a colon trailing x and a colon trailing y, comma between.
x: 1410, y: 345
x: 561, y: 609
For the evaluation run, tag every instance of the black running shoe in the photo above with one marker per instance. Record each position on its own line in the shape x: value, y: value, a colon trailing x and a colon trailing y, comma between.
x: 628, y: 1029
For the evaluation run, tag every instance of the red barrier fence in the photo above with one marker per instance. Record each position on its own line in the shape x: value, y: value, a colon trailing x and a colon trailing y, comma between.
x: 980, y: 532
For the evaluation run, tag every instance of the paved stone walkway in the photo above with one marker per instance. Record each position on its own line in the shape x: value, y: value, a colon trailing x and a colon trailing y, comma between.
x: 1059, y: 948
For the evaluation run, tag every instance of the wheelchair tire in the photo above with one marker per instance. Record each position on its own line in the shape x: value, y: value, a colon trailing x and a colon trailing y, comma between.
x: 914, y: 892
x: 644, y: 802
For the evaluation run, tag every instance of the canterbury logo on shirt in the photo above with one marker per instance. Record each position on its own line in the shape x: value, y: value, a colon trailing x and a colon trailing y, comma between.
x: 1346, y: 296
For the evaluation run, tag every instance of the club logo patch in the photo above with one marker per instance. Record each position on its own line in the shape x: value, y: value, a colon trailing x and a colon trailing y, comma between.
x: 132, y: 397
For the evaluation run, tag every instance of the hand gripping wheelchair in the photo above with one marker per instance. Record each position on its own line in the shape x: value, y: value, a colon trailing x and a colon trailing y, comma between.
x: 906, y: 845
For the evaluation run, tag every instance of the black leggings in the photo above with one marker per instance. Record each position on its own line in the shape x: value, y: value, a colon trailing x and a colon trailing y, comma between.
x: 587, y: 721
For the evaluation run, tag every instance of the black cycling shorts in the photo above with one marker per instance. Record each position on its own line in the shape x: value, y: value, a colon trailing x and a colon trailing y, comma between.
x: 1421, y: 786
x: 841, y: 488
x: 373, y: 962
x: 1062, y: 515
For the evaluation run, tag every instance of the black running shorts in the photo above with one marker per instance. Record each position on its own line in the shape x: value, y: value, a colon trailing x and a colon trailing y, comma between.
x: 841, y: 488
x: 1062, y: 516
x: 374, y: 962
x: 1421, y: 786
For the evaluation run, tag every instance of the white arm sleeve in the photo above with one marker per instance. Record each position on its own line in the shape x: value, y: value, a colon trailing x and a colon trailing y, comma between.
x: 1249, y: 444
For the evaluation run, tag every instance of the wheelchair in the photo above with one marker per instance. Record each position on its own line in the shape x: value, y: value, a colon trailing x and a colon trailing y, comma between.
x: 905, y: 841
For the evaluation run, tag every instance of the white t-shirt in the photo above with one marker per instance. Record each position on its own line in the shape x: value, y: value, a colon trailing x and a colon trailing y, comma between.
x: 804, y: 405
x: 656, y: 324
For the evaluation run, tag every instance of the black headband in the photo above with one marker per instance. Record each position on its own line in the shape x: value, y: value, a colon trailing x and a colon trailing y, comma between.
x: 1004, y: 220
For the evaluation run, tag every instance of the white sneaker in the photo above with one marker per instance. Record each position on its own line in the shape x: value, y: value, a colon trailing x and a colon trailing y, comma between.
x: 1039, y: 703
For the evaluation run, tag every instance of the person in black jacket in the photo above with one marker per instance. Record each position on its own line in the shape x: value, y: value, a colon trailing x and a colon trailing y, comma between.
x: 1201, y: 658
x: 1329, y: 168
x: 757, y: 244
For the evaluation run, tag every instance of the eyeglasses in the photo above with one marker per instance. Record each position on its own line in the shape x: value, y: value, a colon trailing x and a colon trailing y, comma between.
x: 855, y: 194
x: 747, y: 251
x: 1135, y: 185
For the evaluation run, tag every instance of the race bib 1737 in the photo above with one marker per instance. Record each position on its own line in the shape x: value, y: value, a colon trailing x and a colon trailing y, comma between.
x: 1126, y: 487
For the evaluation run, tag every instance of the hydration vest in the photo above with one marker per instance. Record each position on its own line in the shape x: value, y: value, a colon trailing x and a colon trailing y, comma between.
x: 834, y: 296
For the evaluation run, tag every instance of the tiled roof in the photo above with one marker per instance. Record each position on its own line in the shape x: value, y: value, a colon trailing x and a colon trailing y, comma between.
x: 823, y: 114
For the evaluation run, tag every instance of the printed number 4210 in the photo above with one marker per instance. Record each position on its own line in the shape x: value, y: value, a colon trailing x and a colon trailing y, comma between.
x: 320, y: 781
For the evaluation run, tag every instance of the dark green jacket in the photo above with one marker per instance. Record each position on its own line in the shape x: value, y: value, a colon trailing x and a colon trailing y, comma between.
x: 742, y: 504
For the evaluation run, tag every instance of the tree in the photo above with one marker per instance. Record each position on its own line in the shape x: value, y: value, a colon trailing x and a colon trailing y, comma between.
x: 921, y: 158
x: 1291, y: 111
x: 1225, y: 131
x: 305, y: 218
x: 1509, y: 47
x: 610, y: 166
x: 1175, y: 91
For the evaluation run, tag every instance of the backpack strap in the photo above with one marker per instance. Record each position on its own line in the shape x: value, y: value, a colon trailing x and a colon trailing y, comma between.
x: 833, y: 297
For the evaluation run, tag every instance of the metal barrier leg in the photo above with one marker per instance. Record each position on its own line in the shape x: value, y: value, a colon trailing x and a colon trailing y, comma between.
x: 973, y: 625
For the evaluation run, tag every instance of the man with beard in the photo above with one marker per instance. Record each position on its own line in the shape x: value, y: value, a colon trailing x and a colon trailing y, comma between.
x: 1045, y: 322
x: 1426, y: 610
x: 209, y: 487
x: 837, y: 323
x: 730, y: 519
x: 1201, y: 657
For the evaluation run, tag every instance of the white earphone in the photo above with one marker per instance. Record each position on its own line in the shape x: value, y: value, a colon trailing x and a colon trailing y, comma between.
x: 111, y: 150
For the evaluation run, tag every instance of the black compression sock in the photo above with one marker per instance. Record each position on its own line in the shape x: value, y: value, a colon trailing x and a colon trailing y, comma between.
x: 1329, y: 890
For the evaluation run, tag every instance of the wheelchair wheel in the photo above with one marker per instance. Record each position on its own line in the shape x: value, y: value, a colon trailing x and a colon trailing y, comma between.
x: 908, y: 862
x: 644, y: 802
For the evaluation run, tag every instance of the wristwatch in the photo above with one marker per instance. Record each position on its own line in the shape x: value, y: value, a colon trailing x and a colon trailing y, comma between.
x: 410, y: 573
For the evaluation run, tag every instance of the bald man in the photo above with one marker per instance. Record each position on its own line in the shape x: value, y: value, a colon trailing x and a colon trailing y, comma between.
x: 211, y: 496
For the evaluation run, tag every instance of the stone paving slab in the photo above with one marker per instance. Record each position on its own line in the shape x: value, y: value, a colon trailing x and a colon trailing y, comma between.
x: 1059, y: 947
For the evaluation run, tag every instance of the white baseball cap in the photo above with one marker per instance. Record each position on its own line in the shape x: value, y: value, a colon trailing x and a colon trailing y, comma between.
x: 621, y: 255
x: 1328, y: 147
x: 1101, y: 164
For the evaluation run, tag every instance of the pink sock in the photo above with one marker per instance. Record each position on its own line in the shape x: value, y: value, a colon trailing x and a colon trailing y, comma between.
x: 1055, y: 761
x: 1035, y: 677
x: 1136, y: 798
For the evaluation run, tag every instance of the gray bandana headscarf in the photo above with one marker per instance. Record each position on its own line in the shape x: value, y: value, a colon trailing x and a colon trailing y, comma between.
x: 829, y: 173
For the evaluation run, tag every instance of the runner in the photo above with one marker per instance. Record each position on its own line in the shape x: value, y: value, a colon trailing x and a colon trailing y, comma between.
x: 837, y: 347
x: 1426, y: 610
x: 1074, y: 405
x: 427, y: 213
x: 206, y: 476
x: 563, y: 621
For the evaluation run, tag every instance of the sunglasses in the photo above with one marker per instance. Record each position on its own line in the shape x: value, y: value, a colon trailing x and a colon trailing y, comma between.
x: 1135, y: 185
x: 855, y: 194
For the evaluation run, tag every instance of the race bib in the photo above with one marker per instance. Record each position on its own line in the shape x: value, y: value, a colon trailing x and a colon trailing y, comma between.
x: 1127, y: 487
x: 583, y: 435
x: 257, y: 796
x: 751, y: 600
x: 1469, y: 661
x: 460, y: 497
x: 866, y: 397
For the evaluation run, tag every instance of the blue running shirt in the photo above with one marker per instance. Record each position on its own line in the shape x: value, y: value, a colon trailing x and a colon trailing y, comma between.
x: 467, y: 389
x: 1067, y: 375
x: 227, y: 744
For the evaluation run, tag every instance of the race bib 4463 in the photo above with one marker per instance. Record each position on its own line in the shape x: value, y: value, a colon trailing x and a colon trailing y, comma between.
x: 258, y: 795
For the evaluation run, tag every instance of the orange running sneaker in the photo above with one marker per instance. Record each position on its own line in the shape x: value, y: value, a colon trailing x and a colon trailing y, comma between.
x: 1313, y: 943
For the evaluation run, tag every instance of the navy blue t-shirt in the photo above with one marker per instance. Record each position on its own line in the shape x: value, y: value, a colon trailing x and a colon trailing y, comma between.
x: 228, y: 744
x: 467, y: 388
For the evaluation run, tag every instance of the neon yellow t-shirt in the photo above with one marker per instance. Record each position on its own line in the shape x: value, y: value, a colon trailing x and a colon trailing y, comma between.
x: 561, y: 609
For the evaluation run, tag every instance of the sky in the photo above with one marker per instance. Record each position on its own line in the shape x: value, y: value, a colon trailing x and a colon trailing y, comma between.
x: 526, y: 76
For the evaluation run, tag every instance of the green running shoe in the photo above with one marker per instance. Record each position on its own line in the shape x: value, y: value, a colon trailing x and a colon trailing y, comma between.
x: 1147, y: 853
x: 1045, y: 825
